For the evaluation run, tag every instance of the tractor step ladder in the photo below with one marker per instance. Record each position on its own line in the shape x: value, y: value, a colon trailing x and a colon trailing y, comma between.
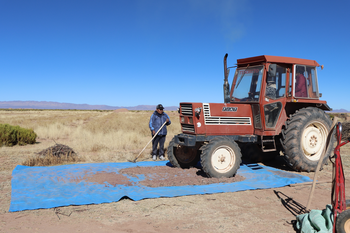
x: 268, y: 143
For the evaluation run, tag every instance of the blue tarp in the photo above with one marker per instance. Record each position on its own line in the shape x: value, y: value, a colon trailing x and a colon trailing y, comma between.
x: 48, y: 187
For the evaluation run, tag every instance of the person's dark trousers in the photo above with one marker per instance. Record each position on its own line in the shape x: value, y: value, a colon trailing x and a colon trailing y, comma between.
x: 159, y: 139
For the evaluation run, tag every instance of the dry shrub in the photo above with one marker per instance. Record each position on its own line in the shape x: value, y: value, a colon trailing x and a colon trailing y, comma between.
x: 12, y: 135
x: 345, y: 131
x: 58, y: 150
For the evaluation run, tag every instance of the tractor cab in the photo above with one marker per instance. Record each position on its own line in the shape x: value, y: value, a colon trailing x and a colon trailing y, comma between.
x: 271, y: 84
x: 247, y: 82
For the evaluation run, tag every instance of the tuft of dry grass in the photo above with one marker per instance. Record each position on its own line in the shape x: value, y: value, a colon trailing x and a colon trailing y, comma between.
x: 57, y: 154
x: 50, y: 160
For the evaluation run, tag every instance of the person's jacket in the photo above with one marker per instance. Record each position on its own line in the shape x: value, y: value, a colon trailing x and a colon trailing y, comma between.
x: 300, y: 86
x: 157, y: 120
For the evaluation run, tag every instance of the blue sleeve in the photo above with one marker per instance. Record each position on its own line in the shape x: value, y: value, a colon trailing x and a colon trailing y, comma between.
x: 150, y: 123
x: 169, y: 119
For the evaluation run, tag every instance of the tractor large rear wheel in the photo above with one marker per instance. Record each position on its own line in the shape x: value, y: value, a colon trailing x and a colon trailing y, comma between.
x: 343, y: 222
x: 305, y: 137
x: 183, y: 156
x: 221, y: 157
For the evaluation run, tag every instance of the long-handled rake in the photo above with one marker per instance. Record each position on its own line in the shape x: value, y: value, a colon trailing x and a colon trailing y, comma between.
x: 134, y: 161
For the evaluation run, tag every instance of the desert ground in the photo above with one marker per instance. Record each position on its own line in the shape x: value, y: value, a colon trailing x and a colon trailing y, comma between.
x: 107, y: 136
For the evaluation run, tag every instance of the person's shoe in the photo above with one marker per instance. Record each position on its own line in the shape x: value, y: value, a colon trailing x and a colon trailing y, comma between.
x: 154, y: 157
x: 161, y: 157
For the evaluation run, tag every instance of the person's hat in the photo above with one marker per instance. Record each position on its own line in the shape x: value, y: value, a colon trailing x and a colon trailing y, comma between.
x: 159, y: 106
x: 300, y: 69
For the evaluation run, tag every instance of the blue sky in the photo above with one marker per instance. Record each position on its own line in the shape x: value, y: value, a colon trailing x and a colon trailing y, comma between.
x: 133, y: 52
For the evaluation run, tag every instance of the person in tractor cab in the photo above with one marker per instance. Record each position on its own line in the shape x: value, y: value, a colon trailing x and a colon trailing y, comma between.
x: 271, y: 89
x: 156, y: 123
x: 300, y: 84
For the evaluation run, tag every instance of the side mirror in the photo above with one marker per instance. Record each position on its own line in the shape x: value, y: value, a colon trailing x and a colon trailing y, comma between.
x: 272, y: 70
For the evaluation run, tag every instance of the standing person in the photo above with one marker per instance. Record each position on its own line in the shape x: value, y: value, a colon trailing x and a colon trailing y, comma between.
x: 156, y: 121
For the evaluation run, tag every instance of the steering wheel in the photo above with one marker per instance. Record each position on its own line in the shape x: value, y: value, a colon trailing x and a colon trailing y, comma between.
x: 249, y: 98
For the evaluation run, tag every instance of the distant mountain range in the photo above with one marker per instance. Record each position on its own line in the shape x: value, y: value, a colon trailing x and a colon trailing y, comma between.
x: 340, y: 111
x: 56, y: 105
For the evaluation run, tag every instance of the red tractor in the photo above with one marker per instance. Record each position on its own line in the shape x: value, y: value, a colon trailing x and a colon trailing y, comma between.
x: 272, y: 106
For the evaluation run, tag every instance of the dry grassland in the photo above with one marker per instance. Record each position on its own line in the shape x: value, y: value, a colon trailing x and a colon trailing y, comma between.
x: 97, y: 136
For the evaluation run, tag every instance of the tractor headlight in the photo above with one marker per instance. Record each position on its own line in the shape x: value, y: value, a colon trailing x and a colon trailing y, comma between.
x: 197, y: 112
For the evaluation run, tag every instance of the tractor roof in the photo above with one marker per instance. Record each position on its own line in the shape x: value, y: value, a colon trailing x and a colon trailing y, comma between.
x: 276, y: 59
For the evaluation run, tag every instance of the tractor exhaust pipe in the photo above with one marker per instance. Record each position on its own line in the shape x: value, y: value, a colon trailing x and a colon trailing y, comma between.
x: 226, y: 84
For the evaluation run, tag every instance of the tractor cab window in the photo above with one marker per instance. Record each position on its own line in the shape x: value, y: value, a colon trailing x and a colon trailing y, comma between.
x: 246, y: 84
x: 276, y: 82
x: 305, y: 82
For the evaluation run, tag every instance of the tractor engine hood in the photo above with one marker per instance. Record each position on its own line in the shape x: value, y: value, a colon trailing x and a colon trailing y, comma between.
x: 216, y: 118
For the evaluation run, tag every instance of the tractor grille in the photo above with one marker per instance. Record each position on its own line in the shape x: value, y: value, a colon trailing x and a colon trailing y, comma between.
x: 186, y: 109
x: 227, y: 120
x: 188, y: 128
x: 215, y: 120
x: 206, y: 110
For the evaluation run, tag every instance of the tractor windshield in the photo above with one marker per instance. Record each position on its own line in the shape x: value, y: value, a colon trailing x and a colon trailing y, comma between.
x: 246, y: 84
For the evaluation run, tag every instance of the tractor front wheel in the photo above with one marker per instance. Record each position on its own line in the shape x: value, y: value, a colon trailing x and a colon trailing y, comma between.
x: 183, y: 156
x: 221, y: 157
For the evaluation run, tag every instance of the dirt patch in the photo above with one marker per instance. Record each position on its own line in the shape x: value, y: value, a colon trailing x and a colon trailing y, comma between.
x: 156, y: 177
x: 170, y: 176
x: 111, y: 178
x: 5, y: 178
